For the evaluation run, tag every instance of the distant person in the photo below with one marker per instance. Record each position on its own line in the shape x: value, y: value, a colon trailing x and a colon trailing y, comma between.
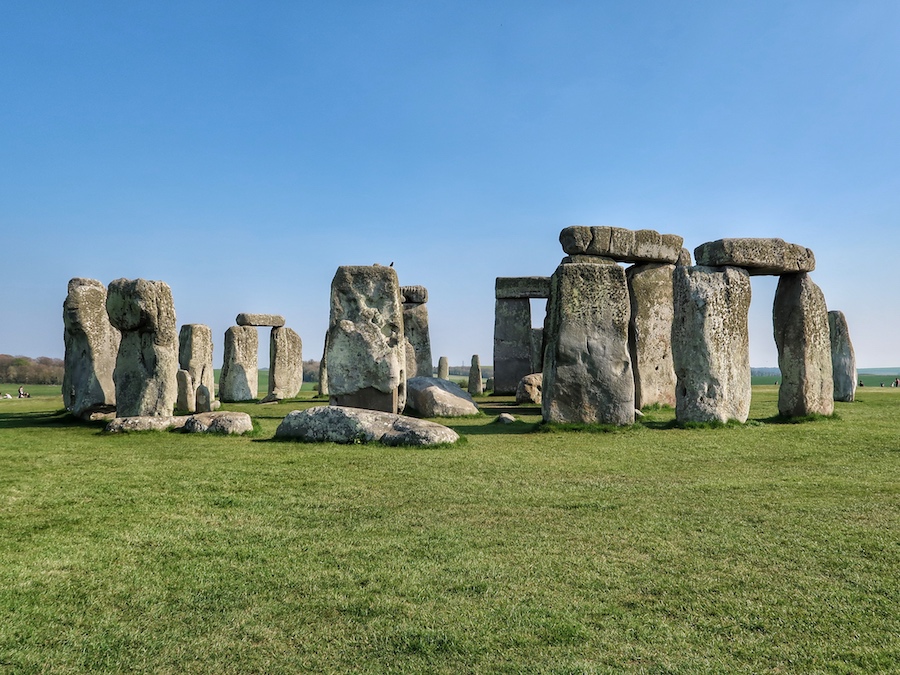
x: 882, y: 384
x: 862, y: 384
x: 22, y: 393
x: 6, y: 396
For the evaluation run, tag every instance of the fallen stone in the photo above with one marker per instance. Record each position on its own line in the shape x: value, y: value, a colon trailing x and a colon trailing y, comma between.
x: 232, y: 423
x: 340, y: 424
x: 521, y: 287
x: 505, y: 418
x: 843, y: 359
x: 247, y: 319
x: 436, y: 397
x: 146, y: 423
x: 636, y: 246
x: 757, y: 255
x: 529, y: 389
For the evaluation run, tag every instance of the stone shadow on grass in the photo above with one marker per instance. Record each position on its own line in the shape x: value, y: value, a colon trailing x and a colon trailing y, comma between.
x: 57, y: 418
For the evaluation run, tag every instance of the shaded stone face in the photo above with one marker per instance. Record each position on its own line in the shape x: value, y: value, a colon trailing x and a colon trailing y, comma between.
x: 800, y: 319
x: 247, y: 319
x: 710, y: 344
x: 650, y: 333
x: 444, y: 368
x: 415, y: 328
x: 147, y: 360
x: 522, y: 287
x: 285, y: 364
x: 587, y: 374
x: 414, y: 295
x: 366, y: 342
x: 91, y: 345
x: 186, y: 400
x: 195, y: 355
x: 476, y: 384
x: 757, y: 255
x: 512, y: 343
x: 620, y: 244
x: 843, y: 359
x: 239, y: 379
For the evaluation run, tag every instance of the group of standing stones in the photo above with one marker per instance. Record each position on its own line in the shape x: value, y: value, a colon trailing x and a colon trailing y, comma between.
x: 664, y: 331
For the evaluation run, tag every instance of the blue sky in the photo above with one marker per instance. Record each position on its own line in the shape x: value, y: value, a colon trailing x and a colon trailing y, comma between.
x: 241, y: 152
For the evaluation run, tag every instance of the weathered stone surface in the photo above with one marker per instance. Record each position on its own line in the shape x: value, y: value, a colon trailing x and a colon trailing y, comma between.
x: 340, y: 424
x: 710, y: 345
x: 650, y: 333
x: 239, y: 379
x: 620, y: 244
x: 505, y: 418
x: 843, y: 359
x: 537, y: 350
x: 145, y: 423
x: 323, y: 369
x: 413, y: 295
x: 521, y: 287
x: 587, y: 369
x: 684, y: 259
x: 489, y: 384
x: 366, y: 342
x: 224, y: 422
x: 186, y: 400
x: 147, y: 359
x: 247, y: 319
x: 756, y: 255
x: 91, y: 345
x: 800, y: 319
x: 285, y: 363
x: 529, y: 389
x: 416, y: 331
x: 195, y: 355
x: 444, y: 368
x: 434, y: 397
x: 584, y: 259
x: 204, y: 400
x: 512, y: 343
x: 476, y: 384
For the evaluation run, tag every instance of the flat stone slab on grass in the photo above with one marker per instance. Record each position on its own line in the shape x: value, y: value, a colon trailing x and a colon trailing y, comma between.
x: 436, y: 397
x: 341, y: 424
x: 222, y: 422
x: 621, y: 244
x: 247, y: 319
x: 758, y: 256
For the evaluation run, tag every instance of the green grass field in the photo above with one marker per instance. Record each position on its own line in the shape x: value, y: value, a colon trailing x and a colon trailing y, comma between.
x: 767, y: 547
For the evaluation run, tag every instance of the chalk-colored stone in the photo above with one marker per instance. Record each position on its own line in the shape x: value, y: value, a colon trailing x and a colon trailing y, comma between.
x: 341, y: 424
x: 239, y: 379
x: 434, y: 397
x: 843, y: 359
x: 529, y: 389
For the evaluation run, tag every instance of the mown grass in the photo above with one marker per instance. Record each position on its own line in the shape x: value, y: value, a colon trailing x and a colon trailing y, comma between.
x: 756, y: 548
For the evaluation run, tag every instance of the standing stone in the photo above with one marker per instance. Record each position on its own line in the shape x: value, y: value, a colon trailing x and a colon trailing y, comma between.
x: 476, y: 386
x: 195, y: 355
x: 650, y: 333
x: 285, y: 364
x: 204, y: 401
x: 323, y: 370
x: 91, y: 345
x: 537, y: 350
x: 710, y: 344
x: 444, y: 368
x: 512, y: 343
x: 239, y: 379
x: 366, y: 345
x: 186, y: 399
x: 800, y: 318
x: 415, y: 328
x: 587, y: 369
x: 147, y: 360
x: 843, y: 360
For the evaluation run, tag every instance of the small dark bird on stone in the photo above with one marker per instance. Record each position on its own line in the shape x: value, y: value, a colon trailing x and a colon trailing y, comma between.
x: 391, y: 265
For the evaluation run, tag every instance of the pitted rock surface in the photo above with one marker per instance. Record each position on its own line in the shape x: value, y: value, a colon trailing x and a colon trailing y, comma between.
x: 636, y: 246
x: 436, y: 397
x: 341, y: 424
x: 756, y: 255
x: 248, y: 319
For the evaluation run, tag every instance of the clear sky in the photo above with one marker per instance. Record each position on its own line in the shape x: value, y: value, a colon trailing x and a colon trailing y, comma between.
x: 242, y: 151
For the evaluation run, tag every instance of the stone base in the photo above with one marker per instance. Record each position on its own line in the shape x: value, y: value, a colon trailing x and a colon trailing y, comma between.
x: 368, y: 399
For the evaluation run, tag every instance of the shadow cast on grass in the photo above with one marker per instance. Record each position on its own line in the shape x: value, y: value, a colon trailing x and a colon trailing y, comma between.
x: 57, y: 418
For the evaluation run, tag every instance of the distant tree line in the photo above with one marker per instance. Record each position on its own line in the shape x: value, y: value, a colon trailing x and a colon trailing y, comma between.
x: 24, y: 370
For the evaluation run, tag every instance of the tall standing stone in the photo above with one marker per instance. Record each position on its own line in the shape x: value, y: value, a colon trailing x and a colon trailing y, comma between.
x: 537, y: 350
x: 415, y: 328
x: 650, y: 333
x: 476, y: 385
x: 285, y: 364
x: 800, y: 319
x: 587, y: 368
x: 323, y: 369
x: 91, y: 345
x: 147, y: 361
x: 513, y: 337
x: 186, y: 400
x: 843, y: 360
x: 366, y: 342
x: 710, y: 344
x: 239, y: 379
x: 195, y: 355
x: 443, y: 369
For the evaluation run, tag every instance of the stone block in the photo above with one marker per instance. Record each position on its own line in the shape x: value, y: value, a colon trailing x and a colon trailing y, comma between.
x: 759, y: 256
x: 650, y: 333
x: 634, y: 246
x: 843, y: 359
x: 521, y: 287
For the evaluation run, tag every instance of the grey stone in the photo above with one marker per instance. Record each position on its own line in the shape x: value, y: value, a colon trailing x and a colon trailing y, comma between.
x: 416, y: 331
x: 145, y: 423
x: 239, y: 379
x: 476, y: 384
x: 147, y: 359
x: 489, y: 384
x: 710, y: 345
x: 620, y: 244
x: 434, y: 397
x: 512, y: 343
x: 537, y: 350
x: 195, y: 355
x: 340, y: 424
x: 186, y: 400
x: 843, y: 359
x: 756, y: 255
x: 521, y: 287
x: 587, y: 369
x: 91, y: 345
x: 585, y: 259
x: 285, y: 363
x: 529, y: 389
x: 247, y: 319
x: 684, y: 260
x: 231, y: 423
x: 650, y: 333
x: 443, y: 368
x: 204, y: 399
x: 366, y: 343
x: 323, y: 370
x: 800, y: 319
x: 413, y: 295
x: 505, y: 418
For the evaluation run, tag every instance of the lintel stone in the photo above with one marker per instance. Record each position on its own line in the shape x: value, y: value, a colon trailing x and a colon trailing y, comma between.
x: 519, y: 288
x: 759, y: 256
x: 247, y: 319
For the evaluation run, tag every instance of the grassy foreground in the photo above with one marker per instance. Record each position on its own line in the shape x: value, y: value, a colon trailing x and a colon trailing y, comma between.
x: 762, y: 548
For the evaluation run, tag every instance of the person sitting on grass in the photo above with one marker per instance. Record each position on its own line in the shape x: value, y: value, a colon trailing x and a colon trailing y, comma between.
x: 23, y: 394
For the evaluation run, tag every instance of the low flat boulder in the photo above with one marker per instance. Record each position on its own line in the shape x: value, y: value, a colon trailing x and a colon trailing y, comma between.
x: 146, y: 423
x: 621, y: 244
x: 529, y: 389
x: 341, y: 424
x: 247, y: 319
x: 436, y: 397
x: 221, y: 422
x: 759, y: 256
